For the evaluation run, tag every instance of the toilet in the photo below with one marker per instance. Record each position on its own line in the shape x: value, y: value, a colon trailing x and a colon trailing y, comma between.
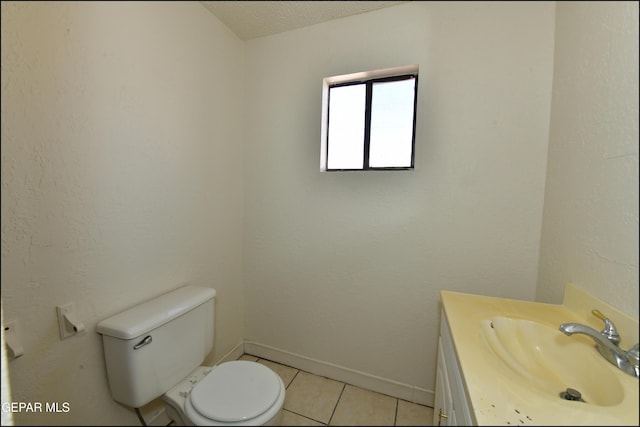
x: 155, y: 349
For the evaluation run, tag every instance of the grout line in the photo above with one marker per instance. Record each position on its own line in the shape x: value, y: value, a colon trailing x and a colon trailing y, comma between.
x: 344, y: 385
x: 304, y: 416
x: 395, y: 418
x: 292, y: 379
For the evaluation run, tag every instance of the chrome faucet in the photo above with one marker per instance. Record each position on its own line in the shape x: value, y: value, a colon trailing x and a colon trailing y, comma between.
x: 607, y: 344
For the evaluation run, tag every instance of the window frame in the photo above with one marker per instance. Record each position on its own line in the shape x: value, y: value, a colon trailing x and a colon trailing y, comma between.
x: 368, y: 79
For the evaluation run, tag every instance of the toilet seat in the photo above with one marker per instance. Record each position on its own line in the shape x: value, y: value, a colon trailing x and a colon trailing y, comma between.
x: 233, y: 393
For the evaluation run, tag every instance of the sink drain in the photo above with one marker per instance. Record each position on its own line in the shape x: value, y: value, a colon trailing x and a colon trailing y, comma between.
x: 571, y: 394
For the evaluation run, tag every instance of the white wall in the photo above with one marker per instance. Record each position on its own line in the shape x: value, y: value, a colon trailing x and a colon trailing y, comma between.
x: 121, y: 180
x: 590, y: 232
x: 346, y: 267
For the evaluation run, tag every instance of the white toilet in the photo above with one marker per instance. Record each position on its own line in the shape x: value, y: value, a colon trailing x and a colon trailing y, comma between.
x: 155, y: 349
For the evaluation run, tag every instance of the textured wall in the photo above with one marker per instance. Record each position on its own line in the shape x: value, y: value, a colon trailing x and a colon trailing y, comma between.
x: 121, y: 179
x: 590, y: 232
x: 346, y: 267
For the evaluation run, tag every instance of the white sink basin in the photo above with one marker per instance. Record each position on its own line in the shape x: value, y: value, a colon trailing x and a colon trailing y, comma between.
x: 544, y: 358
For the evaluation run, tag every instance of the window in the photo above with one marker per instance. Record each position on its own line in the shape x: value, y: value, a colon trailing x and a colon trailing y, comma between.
x: 368, y: 120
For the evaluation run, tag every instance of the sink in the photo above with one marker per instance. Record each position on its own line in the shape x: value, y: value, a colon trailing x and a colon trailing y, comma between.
x: 514, y: 361
x: 541, y: 356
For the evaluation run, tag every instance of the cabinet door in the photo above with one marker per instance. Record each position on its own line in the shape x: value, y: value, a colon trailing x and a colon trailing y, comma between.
x: 459, y: 409
x: 443, y: 400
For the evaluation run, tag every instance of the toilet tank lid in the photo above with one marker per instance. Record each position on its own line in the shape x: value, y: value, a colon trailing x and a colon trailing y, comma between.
x: 149, y: 315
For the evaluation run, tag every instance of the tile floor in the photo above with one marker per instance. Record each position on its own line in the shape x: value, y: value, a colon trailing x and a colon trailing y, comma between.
x: 313, y: 400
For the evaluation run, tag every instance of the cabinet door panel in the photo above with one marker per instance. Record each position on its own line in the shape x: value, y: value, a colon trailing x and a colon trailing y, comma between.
x: 442, y: 402
x: 456, y: 404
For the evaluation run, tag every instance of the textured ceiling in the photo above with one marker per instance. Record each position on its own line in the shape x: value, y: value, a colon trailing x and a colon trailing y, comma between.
x: 252, y: 19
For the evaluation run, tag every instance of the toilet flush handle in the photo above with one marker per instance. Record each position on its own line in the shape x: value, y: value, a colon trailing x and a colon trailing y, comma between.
x: 145, y: 341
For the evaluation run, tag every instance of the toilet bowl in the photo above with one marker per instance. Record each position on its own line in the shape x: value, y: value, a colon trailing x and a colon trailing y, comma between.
x: 237, y: 393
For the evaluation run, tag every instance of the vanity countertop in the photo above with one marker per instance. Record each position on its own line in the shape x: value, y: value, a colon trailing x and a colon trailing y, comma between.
x: 499, y: 396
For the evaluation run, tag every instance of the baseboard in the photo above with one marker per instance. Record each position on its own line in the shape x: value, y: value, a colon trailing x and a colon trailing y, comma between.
x: 339, y: 373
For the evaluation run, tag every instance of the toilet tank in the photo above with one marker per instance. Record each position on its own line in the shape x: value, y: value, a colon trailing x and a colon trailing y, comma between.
x: 150, y: 347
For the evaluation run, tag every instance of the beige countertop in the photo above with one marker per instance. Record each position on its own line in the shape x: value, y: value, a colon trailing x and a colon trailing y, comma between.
x: 499, y: 395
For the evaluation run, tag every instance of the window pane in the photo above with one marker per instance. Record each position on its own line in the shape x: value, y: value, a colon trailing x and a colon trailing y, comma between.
x: 391, y: 142
x: 346, y: 127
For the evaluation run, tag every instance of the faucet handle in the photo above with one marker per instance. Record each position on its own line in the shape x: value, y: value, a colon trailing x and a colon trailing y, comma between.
x: 609, y: 330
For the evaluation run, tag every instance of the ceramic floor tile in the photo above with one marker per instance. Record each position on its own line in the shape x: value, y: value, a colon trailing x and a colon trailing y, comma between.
x: 313, y: 396
x: 358, y: 407
x: 291, y: 419
x: 287, y: 373
x: 314, y: 400
x: 248, y: 357
x: 412, y: 414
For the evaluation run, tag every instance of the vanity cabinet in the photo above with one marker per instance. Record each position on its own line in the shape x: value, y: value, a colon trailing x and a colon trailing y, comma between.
x: 451, y: 405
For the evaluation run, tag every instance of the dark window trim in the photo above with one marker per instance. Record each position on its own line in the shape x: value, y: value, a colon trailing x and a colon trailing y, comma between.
x: 367, y: 120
